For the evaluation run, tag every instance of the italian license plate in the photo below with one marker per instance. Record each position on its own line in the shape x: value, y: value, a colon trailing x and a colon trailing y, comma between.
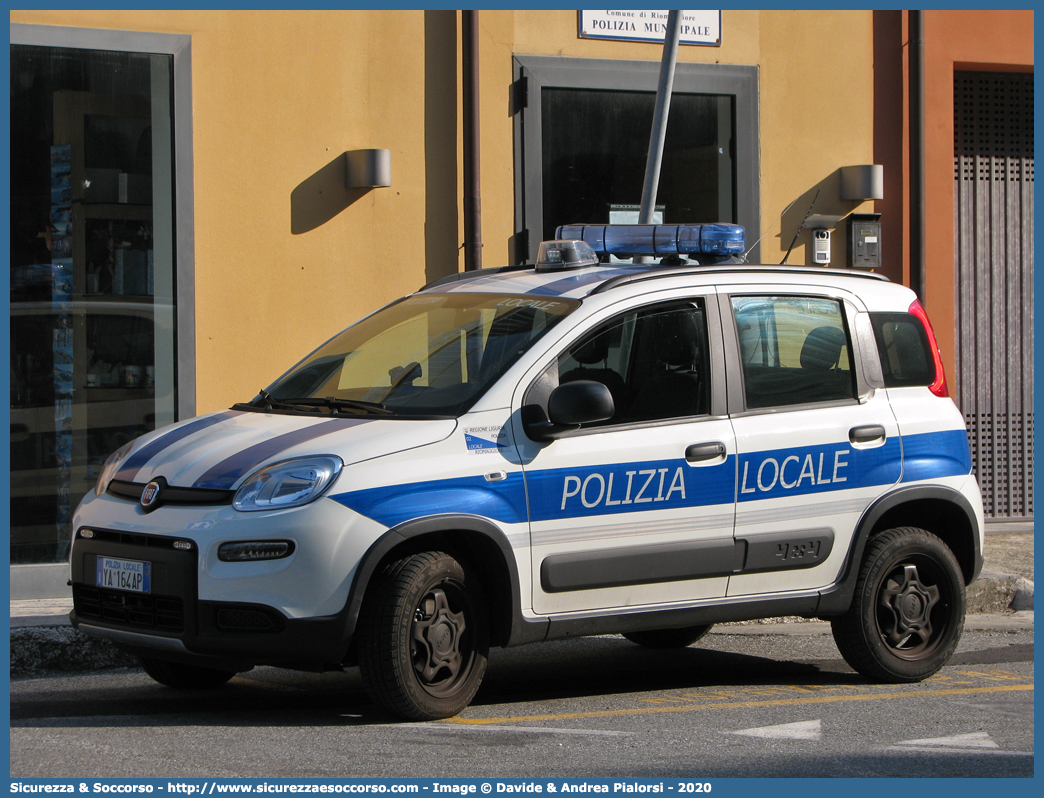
x: 130, y: 575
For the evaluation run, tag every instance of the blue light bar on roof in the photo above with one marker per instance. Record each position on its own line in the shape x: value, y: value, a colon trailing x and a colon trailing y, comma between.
x: 625, y: 240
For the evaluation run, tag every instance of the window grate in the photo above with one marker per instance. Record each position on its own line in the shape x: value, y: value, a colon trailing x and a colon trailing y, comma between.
x: 993, y: 126
x: 1006, y: 481
x: 993, y: 245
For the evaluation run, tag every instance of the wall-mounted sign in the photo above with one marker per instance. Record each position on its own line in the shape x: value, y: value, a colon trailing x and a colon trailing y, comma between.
x: 697, y: 27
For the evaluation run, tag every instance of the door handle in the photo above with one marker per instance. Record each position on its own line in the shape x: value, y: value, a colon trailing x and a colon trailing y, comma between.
x: 698, y: 452
x: 866, y: 434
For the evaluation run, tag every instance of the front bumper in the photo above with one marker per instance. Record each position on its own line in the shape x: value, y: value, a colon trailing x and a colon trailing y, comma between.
x: 171, y: 622
x: 290, y: 612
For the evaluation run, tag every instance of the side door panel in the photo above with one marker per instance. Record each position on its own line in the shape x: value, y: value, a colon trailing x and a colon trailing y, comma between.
x: 639, y: 511
x: 807, y: 469
x: 642, y: 531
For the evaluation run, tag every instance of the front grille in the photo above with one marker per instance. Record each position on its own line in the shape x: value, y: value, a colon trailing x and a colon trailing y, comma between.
x: 133, y: 539
x: 160, y: 613
x: 171, y: 494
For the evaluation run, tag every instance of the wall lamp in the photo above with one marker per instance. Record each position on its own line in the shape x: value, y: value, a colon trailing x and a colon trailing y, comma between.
x: 864, y: 182
x: 367, y: 168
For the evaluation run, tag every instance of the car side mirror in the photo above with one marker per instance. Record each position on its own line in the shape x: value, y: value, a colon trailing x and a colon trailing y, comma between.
x: 569, y: 407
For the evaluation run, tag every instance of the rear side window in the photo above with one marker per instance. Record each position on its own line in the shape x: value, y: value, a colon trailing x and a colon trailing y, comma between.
x: 906, y: 355
x: 795, y: 350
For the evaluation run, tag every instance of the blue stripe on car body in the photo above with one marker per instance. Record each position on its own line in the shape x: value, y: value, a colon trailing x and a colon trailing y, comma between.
x: 615, y: 488
x: 803, y: 470
x: 503, y: 501
x: 141, y: 457
x: 931, y: 455
x: 225, y: 474
x: 627, y: 488
x: 566, y: 284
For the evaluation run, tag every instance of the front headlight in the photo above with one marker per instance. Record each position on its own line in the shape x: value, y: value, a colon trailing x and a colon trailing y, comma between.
x: 290, y: 483
x: 111, y: 466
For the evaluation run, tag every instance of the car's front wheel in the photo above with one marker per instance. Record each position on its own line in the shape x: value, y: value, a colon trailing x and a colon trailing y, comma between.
x: 424, y: 637
x: 908, y: 611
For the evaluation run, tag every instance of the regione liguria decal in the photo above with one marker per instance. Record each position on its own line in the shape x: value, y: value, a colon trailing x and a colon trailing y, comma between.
x: 485, y: 440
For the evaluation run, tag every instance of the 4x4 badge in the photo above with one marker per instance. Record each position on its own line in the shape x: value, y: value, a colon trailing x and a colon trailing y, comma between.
x: 150, y: 494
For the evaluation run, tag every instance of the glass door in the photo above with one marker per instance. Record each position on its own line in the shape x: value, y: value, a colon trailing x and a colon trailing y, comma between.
x: 91, y: 275
x: 582, y: 129
x: 593, y: 169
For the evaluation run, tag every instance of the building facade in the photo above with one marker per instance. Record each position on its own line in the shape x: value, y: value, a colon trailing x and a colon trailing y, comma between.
x: 183, y: 229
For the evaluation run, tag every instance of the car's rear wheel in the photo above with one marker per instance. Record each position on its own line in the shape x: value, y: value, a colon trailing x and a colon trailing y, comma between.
x: 424, y: 637
x: 668, y: 638
x: 185, y: 677
x: 908, y: 611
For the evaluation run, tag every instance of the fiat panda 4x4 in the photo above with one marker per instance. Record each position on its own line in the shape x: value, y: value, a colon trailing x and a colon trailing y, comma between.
x: 591, y: 446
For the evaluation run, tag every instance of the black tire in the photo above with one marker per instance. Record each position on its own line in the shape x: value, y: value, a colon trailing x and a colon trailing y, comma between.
x: 185, y: 677
x: 424, y: 637
x: 668, y: 638
x: 907, y: 614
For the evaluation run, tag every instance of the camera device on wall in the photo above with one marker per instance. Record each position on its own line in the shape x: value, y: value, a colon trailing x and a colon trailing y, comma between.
x: 821, y: 246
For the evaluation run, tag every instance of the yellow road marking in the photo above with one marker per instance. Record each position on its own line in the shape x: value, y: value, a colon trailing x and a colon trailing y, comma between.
x: 778, y: 702
x: 992, y: 675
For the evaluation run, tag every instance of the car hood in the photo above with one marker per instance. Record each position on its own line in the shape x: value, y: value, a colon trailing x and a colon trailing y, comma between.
x: 219, y: 450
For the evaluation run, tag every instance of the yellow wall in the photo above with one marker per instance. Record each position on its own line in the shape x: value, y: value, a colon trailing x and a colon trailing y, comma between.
x: 278, y: 96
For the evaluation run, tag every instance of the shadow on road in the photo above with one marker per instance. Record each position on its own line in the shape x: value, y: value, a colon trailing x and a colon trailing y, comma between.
x: 569, y: 669
x: 572, y: 669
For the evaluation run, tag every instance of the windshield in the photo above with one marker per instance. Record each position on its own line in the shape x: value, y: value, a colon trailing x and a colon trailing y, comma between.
x: 428, y: 355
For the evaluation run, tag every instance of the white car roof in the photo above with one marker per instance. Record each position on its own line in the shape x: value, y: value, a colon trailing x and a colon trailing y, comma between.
x: 876, y: 291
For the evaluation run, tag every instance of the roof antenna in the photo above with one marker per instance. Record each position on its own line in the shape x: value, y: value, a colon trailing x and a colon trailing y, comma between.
x: 743, y: 257
x: 800, y: 227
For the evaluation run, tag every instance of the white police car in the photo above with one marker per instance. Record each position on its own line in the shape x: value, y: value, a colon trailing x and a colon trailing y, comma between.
x: 524, y: 454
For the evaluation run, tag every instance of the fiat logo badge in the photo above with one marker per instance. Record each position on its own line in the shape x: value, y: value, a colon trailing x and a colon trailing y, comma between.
x: 150, y: 494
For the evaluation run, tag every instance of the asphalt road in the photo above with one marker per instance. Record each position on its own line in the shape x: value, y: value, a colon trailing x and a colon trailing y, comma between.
x: 748, y: 704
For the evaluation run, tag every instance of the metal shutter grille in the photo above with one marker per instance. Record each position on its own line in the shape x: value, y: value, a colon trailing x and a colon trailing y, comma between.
x: 993, y: 176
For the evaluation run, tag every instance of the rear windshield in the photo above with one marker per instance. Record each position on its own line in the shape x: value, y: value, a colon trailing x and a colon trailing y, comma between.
x: 906, y: 356
x: 430, y: 354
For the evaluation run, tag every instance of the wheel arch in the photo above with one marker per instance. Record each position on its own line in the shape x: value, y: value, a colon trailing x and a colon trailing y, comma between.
x: 943, y: 511
x: 476, y: 540
x: 944, y: 517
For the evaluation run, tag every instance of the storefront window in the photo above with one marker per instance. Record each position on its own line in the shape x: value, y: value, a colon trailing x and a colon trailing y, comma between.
x: 92, y: 275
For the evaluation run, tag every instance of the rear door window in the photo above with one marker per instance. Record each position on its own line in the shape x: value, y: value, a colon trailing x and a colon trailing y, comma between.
x: 794, y: 350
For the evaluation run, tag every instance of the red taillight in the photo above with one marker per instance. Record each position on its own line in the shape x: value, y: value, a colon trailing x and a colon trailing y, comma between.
x: 939, y: 386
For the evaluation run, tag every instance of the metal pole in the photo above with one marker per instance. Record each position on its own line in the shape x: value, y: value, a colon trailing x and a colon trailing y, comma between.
x: 660, y: 112
x: 918, y: 208
x: 472, y: 189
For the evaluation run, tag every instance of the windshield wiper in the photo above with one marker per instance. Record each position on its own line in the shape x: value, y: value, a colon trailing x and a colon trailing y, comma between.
x: 334, y: 403
x: 266, y: 401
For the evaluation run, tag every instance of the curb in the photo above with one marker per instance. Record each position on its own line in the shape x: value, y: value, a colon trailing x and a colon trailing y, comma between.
x: 49, y: 644
x: 63, y: 649
x: 999, y: 593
